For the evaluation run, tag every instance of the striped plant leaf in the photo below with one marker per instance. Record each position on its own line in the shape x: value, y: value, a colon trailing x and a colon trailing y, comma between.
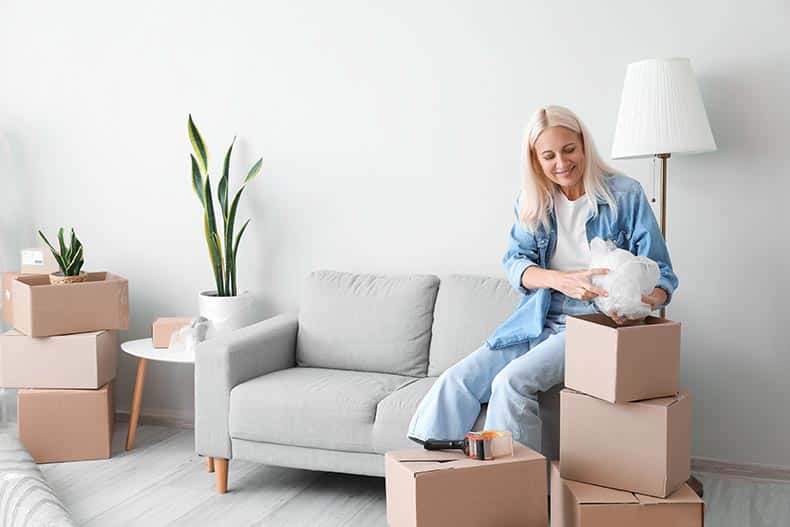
x: 214, y: 256
x: 197, y: 179
x: 55, y: 253
x: 198, y: 145
x: 72, y: 269
x: 222, y: 189
x: 235, y: 252
x: 254, y: 171
x: 63, y: 252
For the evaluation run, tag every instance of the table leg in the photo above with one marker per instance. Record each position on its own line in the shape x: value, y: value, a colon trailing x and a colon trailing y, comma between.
x: 138, y: 395
x: 210, y: 464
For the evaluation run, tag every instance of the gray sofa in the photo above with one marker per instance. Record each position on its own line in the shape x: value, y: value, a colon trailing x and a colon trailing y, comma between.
x: 334, y: 387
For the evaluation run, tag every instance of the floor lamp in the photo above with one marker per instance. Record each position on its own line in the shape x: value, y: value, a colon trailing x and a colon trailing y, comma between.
x: 661, y: 113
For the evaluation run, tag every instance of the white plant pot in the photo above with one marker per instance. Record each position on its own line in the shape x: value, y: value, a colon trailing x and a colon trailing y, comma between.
x: 226, y: 313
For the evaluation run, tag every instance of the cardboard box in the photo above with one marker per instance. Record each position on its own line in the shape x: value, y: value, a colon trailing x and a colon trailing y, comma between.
x: 66, y: 425
x: 7, y: 293
x: 42, y: 310
x: 82, y: 360
x: 38, y: 260
x: 622, y: 363
x: 164, y: 327
x: 429, y: 489
x: 643, y: 447
x: 575, y: 504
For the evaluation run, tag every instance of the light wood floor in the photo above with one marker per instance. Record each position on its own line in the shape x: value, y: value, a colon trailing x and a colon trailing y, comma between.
x: 162, y: 482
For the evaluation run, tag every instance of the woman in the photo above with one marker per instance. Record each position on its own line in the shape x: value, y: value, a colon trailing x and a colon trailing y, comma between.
x: 569, y: 196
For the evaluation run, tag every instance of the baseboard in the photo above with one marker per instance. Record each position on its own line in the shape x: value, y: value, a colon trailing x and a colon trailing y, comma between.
x: 698, y: 464
x: 158, y: 418
x: 740, y: 470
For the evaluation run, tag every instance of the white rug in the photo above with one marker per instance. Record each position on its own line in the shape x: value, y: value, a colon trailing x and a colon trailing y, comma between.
x: 26, y: 499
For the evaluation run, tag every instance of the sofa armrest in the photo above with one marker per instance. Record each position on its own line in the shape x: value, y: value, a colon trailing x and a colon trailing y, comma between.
x: 229, y: 360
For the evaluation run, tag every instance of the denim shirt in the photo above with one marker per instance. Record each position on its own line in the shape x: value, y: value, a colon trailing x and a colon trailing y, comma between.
x: 634, y: 229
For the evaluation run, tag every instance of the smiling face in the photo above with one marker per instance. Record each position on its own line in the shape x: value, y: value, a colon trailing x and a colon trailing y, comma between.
x: 560, y: 152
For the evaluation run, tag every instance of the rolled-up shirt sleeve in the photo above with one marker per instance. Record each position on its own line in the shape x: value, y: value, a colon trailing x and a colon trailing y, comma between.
x: 521, y: 253
x: 648, y: 241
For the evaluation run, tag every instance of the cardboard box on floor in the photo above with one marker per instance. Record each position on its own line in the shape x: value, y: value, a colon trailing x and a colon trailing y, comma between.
x: 66, y: 425
x: 43, y: 310
x: 575, y: 504
x: 164, y: 327
x: 78, y: 361
x: 622, y: 363
x: 643, y: 446
x: 38, y: 260
x: 433, y: 488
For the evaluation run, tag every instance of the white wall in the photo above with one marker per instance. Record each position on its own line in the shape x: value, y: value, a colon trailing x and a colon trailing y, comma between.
x: 391, y: 138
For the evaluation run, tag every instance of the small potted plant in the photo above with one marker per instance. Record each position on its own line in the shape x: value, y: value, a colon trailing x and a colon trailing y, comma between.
x: 225, y: 306
x: 70, y: 260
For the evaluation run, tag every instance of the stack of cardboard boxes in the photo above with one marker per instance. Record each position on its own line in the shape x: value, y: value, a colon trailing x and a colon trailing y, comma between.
x: 62, y: 354
x: 625, y: 437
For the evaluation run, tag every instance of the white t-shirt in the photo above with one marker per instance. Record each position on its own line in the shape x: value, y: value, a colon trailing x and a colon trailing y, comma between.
x: 573, y: 249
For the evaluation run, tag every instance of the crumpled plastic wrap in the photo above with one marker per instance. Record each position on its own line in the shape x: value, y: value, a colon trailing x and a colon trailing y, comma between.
x: 187, y: 338
x: 629, y: 278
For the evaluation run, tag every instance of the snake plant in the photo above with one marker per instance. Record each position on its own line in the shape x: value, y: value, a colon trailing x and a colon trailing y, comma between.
x: 223, y: 250
x: 70, y: 258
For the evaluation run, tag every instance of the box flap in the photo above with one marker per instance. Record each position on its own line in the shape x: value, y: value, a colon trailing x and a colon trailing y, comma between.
x: 603, y: 320
x: 419, y: 461
x: 683, y: 495
x: 586, y: 494
x: 666, y: 402
x: 15, y: 333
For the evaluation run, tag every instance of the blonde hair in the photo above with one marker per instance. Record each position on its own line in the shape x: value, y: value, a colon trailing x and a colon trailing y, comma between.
x: 536, y: 200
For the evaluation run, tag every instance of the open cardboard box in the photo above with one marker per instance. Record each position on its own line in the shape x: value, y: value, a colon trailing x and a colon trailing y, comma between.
x: 67, y: 425
x: 79, y: 361
x: 642, y: 446
x: 622, y: 363
x: 575, y: 504
x: 8, y: 296
x: 43, y: 310
x: 435, y: 488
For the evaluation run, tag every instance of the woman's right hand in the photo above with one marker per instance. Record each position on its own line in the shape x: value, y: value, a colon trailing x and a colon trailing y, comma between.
x: 578, y: 284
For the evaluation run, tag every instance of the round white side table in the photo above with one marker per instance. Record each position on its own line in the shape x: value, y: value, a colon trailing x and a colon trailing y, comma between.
x: 144, y: 350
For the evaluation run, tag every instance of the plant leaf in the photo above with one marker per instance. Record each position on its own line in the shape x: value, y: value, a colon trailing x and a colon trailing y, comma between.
x: 210, y: 225
x: 197, y: 179
x: 72, y: 267
x: 55, y: 253
x: 63, y: 251
x: 235, y: 252
x: 198, y: 145
x: 222, y: 189
x: 254, y: 171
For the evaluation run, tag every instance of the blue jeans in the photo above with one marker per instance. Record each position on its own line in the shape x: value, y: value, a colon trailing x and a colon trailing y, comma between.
x: 508, y: 379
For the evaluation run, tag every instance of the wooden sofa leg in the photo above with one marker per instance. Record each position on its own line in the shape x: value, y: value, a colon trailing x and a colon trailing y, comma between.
x: 210, y: 464
x: 221, y: 468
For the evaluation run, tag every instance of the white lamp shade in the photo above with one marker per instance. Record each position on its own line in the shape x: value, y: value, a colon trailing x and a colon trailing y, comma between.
x: 661, y: 111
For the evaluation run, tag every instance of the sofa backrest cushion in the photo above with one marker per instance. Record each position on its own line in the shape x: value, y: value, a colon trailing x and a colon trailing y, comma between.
x: 366, y: 322
x: 468, y: 309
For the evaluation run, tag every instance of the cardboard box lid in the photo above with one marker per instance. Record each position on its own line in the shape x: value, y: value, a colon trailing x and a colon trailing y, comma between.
x: 420, y: 461
x: 663, y: 402
x: 89, y: 334
x: 588, y: 494
x: 606, y: 322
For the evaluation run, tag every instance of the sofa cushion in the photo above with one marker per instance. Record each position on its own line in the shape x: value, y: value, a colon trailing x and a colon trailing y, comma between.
x: 311, y: 407
x: 366, y: 322
x: 468, y: 310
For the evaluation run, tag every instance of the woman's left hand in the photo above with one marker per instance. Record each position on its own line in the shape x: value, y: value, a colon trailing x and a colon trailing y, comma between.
x: 656, y: 298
